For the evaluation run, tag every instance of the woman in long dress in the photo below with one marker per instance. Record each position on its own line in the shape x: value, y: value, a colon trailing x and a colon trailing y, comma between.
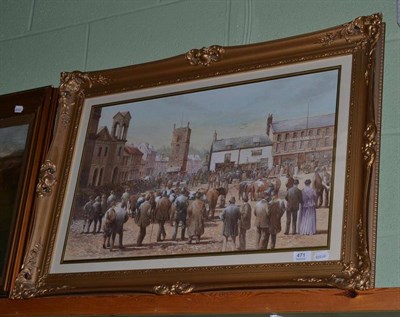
x: 308, y: 215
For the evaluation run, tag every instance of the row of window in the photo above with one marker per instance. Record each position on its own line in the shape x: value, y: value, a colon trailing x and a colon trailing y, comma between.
x: 97, y: 177
x: 100, y: 151
x: 311, y: 132
x: 257, y: 152
x: 303, y: 144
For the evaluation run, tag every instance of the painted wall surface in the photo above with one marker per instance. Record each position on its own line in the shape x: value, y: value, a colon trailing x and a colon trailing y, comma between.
x: 219, y: 157
x: 264, y: 154
x: 41, y: 38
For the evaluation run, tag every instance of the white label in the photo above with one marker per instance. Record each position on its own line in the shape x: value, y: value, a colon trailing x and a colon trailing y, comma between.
x: 321, y: 256
x: 18, y: 109
x: 302, y: 256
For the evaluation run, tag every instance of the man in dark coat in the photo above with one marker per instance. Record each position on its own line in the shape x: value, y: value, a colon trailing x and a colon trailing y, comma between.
x: 143, y: 219
x: 294, y: 200
x: 181, y: 205
x: 230, y: 217
x: 104, y: 207
x: 95, y: 215
x: 261, y: 223
x: 276, y: 209
x: 244, y: 223
x: 163, y: 206
x: 197, y: 213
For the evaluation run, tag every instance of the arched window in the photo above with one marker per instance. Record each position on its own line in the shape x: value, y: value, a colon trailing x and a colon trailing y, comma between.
x: 114, y: 178
x: 116, y: 129
x: 100, y: 181
x: 99, y: 151
x: 124, y: 131
x: 94, y: 178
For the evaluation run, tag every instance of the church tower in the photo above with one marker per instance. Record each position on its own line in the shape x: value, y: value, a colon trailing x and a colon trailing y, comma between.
x: 179, y: 149
x: 89, y: 147
x: 120, y: 125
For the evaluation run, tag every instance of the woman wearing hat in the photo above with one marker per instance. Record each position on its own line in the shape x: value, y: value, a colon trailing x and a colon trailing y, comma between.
x: 308, y: 215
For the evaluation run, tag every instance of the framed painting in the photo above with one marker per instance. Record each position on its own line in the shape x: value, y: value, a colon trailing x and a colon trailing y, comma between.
x: 25, y: 128
x: 223, y: 168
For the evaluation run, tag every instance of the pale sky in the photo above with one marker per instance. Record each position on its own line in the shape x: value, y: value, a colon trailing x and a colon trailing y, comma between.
x: 231, y: 111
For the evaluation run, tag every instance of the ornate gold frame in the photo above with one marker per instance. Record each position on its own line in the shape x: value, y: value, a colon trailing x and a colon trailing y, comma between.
x: 38, y: 112
x: 362, y: 39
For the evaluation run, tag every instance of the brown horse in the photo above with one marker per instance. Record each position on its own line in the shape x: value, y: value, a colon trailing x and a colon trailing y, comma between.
x: 257, y: 189
x: 244, y: 188
x: 264, y: 187
x: 212, y: 198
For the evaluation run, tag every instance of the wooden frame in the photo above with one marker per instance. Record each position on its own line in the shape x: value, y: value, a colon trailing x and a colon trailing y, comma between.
x: 352, y: 51
x: 26, y: 122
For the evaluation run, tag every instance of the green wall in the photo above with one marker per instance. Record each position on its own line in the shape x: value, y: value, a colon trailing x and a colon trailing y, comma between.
x: 41, y: 38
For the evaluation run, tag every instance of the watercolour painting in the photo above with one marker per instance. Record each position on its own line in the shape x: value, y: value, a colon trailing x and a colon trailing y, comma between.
x: 246, y: 140
x: 223, y: 168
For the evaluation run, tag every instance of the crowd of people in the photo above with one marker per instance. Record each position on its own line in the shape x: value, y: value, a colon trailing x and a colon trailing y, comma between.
x: 188, y: 213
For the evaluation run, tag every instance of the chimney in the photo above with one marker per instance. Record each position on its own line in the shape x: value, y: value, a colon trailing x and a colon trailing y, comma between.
x: 269, y: 123
x: 215, y: 135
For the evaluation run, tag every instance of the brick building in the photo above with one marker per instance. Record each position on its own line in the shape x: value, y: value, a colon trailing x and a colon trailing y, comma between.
x: 302, y: 142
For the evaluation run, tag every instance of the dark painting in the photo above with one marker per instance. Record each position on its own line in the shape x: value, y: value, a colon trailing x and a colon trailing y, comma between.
x: 12, y: 152
x: 26, y: 122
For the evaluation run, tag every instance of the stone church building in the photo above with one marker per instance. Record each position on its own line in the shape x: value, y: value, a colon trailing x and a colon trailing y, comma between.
x: 179, y: 149
x: 105, y: 160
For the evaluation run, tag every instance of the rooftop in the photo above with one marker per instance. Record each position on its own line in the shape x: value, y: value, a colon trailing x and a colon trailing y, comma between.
x: 304, y: 123
x: 241, y: 142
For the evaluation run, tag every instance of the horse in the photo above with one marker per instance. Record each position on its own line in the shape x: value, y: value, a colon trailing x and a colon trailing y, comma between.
x: 212, y: 198
x: 257, y: 189
x: 244, y: 188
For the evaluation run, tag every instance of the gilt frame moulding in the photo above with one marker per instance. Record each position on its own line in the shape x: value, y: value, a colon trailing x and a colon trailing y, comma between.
x: 26, y: 122
x: 341, y: 125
